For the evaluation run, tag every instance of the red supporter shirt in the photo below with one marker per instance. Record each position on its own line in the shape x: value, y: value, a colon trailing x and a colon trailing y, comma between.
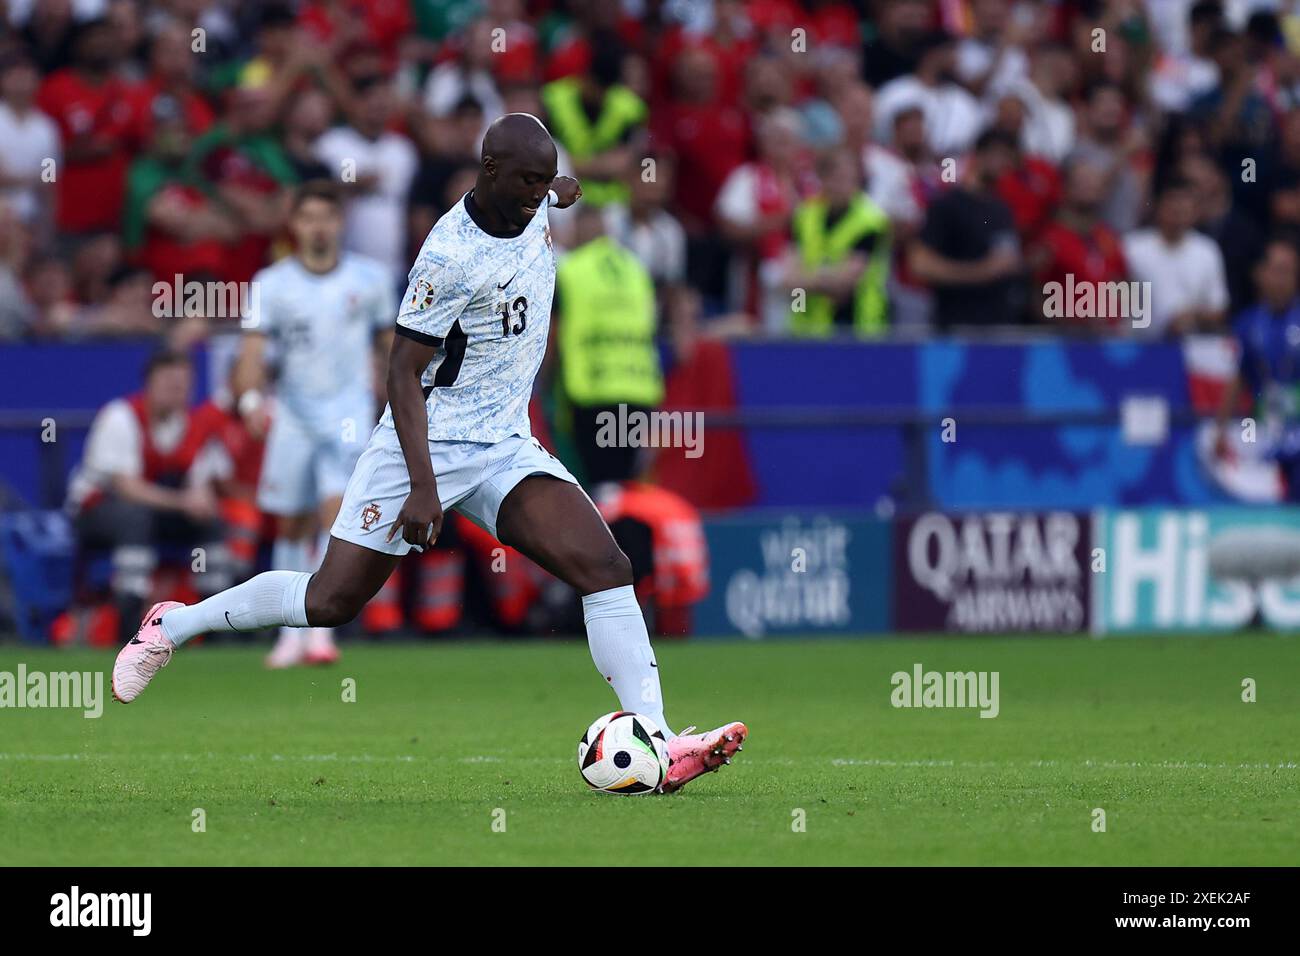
x: 1094, y: 256
x: 90, y: 192
x: 1033, y: 192
x: 198, y: 114
x: 709, y: 141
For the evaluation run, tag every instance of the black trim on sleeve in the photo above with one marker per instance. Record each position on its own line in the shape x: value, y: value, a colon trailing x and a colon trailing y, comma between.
x: 415, y: 336
x: 449, y: 367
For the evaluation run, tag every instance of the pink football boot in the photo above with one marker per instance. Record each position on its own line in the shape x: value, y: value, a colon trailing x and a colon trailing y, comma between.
x: 144, y: 655
x: 690, y: 754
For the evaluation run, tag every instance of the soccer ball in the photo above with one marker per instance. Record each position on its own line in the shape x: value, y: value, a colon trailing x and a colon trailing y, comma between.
x: 623, y: 752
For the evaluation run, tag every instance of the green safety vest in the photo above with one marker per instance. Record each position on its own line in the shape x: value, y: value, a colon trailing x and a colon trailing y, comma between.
x: 820, y: 247
x: 606, y: 341
x: 621, y: 110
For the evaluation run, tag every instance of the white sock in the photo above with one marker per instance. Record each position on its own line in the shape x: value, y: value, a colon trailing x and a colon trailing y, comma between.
x: 291, y: 555
x: 272, y: 597
x: 620, y: 647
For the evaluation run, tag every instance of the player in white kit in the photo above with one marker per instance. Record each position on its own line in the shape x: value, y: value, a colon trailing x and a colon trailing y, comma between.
x: 470, y: 337
x: 318, y: 315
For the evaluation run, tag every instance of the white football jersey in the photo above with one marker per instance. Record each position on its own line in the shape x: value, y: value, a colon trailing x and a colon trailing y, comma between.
x: 322, y: 330
x: 485, y: 302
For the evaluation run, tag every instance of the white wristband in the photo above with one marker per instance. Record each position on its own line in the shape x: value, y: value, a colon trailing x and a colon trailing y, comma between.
x: 555, y: 200
x: 250, y: 401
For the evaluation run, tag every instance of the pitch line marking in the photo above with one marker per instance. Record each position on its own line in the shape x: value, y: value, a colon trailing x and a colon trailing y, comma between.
x: 487, y: 758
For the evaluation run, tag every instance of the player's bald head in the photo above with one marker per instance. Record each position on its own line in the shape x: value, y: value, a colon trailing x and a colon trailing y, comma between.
x: 519, y: 138
x: 518, y: 166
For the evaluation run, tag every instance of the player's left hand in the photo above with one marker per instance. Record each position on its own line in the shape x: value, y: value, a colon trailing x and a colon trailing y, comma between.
x: 567, y: 189
x: 420, y: 520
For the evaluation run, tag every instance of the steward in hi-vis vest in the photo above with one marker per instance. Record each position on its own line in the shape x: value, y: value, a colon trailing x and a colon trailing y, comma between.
x: 841, y: 257
x: 606, y: 340
x: 591, y: 115
x: 604, y: 311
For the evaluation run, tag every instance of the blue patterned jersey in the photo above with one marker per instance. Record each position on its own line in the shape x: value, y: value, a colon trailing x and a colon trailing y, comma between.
x: 322, y: 330
x: 485, y: 303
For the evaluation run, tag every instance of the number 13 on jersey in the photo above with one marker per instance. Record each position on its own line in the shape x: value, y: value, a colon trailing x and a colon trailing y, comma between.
x: 516, y: 309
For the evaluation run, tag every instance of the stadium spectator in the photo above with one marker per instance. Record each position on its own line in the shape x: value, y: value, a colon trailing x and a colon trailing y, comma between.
x: 376, y: 166
x: 91, y: 104
x: 240, y: 164
x: 968, y: 250
x: 1189, y: 291
x: 308, y: 118
x: 643, y: 224
x: 170, y: 227
x: 901, y: 27
x: 599, y: 121
x: 1078, y: 244
x: 952, y: 115
x: 1108, y: 141
x: 458, y: 146
x: 172, y: 72
x: 1178, y: 76
x: 17, y: 314
x: 1219, y: 216
x: 753, y: 212
x: 1282, y: 184
x: 604, y: 328
x: 49, y: 34
x: 31, y: 145
x: 1031, y: 187
x: 1046, y: 127
x: 993, y: 57
x: 705, y: 129
x: 467, y: 74
x: 837, y: 268
x: 1268, y: 344
x: 145, y: 481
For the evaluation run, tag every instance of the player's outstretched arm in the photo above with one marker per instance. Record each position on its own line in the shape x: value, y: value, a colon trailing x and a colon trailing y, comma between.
x: 420, y: 520
x: 567, y: 191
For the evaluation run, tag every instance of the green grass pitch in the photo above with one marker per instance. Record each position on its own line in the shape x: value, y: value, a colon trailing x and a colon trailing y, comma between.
x: 442, y: 738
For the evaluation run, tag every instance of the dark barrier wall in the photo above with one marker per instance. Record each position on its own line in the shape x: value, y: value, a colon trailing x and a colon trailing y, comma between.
x: 835, y: 425
x: 969, y: 425
x: 67, y: 384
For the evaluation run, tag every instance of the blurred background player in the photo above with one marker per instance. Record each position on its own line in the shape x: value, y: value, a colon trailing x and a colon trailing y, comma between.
x: 325, y: 312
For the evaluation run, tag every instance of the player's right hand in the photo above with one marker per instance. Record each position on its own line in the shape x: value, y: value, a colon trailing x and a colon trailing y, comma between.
x: 420, y: 519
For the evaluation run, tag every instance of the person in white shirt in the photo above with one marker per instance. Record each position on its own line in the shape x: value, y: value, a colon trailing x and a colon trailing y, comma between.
x: 644, y: 227
x: 376, y: 165
x: 993, y: 57
x: 30, y: 145
x: 952, y: 115
x: 470, y: 74
x: 1188, y: 286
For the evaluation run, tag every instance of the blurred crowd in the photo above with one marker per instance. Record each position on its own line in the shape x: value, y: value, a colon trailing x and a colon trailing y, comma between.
x: 778, y: 166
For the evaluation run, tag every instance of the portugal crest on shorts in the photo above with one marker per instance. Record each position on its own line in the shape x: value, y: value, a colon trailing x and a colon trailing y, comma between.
x: 369, y: 515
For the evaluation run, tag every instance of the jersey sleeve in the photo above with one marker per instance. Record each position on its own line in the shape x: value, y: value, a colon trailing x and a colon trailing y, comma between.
x: 438, y: 292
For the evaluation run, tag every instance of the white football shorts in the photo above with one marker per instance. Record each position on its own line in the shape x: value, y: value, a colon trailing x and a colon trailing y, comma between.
x: 473, y: 478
